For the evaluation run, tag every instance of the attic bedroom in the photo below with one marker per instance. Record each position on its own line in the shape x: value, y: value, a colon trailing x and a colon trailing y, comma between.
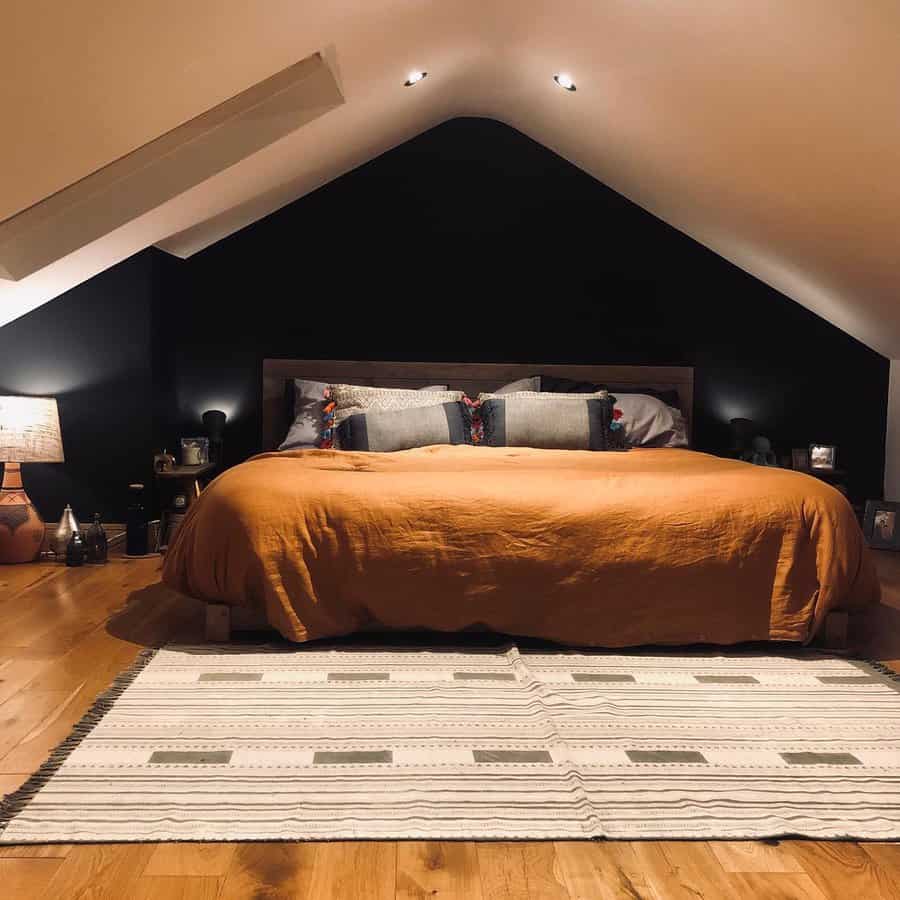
x: 450, y: 450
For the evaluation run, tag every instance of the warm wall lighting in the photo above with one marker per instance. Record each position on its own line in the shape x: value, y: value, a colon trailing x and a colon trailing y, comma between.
x: 414, y: 78
x: 564, y: 81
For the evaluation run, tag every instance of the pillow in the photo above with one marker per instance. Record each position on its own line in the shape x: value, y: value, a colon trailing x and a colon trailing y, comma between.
x: 556, y: 385
x: 643, y: 421
x: 523, y: 384
x: 649, y: 422
x: 347, y: 399
x: 528, y: 419
x: 387, y: 430
x: 599, y: 394
x: 308, y: 406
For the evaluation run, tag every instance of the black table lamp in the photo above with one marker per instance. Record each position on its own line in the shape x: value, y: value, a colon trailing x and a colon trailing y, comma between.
x: 214, y: 423
x: 742, y: 433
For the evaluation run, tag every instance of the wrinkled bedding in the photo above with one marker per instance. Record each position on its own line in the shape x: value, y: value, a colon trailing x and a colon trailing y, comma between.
x: 603, y: 549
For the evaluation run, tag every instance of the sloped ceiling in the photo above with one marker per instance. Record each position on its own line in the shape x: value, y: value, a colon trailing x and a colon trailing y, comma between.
x: 768, y: 130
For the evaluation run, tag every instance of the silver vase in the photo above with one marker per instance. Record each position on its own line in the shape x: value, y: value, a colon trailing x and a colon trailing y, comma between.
x: 68, y: 524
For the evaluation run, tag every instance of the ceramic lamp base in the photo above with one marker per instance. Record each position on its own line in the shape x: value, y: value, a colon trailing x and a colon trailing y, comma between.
x: 21, y: 528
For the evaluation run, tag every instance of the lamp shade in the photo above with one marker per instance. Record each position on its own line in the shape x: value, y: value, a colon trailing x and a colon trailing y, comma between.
x: 29, y: 430
x: 214, y: 423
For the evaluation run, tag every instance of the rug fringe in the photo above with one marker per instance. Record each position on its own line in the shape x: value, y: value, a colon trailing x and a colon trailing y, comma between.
x: 13, y: 804
x: 882, y: 669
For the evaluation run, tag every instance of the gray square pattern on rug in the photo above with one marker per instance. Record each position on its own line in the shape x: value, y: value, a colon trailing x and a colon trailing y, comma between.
x: 274, y: 742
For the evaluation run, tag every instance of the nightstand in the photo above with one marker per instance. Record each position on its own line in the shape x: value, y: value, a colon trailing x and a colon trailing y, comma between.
x: 184, y: 480
x: 837, y: 478
x: 178, y: 481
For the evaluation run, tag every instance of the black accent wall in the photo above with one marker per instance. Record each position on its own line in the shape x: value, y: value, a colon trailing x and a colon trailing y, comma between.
x: 93, y: 348
x: 469, y: 242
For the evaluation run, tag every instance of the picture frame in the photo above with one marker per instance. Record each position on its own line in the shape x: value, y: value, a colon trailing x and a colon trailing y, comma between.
x: 881, y: 524
x: 823, y: 457
x: 194, y: 451
x: 800, y: 459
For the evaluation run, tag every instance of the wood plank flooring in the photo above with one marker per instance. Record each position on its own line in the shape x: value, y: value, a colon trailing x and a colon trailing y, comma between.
x: 66, y: 633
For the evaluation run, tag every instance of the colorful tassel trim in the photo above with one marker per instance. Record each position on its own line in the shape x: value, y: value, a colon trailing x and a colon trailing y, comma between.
x: 326, y: 441
x: 477, y: 426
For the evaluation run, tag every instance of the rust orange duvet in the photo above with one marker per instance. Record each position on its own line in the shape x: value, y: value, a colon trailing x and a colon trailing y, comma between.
x: 605, y: 549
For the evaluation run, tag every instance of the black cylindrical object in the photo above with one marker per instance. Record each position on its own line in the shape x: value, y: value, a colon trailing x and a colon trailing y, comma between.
x: 136, y: 525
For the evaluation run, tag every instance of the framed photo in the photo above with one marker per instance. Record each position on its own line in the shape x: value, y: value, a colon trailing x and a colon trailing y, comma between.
x: 881, y: 524
x: 822, y: 456
x: 194, y: 451
x: 800, y: 459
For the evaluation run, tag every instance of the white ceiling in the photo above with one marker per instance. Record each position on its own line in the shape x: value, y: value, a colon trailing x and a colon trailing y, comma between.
x: 768, y: 130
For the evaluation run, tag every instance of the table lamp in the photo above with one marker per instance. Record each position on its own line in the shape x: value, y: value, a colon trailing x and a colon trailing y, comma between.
x: 742, y: 433
x: 214, y: 423
x: 29, y: 432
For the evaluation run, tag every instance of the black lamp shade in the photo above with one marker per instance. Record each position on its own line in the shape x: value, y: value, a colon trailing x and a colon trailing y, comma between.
x: 742, y: 432
x: 214, y: 423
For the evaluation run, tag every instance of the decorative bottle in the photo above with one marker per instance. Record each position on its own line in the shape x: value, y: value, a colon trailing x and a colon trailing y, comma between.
x: 136, y: 526
x: 76, y: 553
x: 95, y: 539
x: 67, y: 525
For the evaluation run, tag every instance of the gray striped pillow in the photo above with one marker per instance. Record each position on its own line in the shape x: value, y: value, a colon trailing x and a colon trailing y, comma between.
x: 387, y: 430
x: 559, y: 424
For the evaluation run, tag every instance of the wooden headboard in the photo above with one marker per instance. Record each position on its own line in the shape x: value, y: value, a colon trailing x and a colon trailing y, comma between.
x: 472, y: 378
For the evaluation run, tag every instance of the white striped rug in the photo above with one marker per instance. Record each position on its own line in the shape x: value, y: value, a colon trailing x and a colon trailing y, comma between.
x: 274, y: 742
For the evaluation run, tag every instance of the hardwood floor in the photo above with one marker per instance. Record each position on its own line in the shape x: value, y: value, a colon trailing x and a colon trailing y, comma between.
x: 65, y: 634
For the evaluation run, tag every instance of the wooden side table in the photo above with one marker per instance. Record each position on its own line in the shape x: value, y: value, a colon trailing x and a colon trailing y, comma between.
x: 837, y: 478
x: 178, y: 480
x: 186, y: 479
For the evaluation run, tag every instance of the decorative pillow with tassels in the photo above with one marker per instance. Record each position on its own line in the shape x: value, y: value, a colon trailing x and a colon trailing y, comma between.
x: 349, y: 399
x: 552, y: 421
x: 307, y: 401
x: 389, y: 430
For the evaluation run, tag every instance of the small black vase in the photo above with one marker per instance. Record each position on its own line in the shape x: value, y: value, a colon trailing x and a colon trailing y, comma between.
x: 76, y: 552
x: 96, y: 541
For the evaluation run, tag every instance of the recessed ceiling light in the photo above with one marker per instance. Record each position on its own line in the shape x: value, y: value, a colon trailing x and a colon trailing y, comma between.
x: 414, y: 78
x: 564, y: 81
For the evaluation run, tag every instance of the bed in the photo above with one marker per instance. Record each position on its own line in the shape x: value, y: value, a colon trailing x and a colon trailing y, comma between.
x: 652, y: 546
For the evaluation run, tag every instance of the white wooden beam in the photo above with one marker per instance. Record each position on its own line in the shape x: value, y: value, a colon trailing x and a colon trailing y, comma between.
x: 166, y: 167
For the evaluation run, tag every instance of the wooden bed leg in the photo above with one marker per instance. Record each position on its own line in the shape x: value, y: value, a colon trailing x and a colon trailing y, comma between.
x: 836, y: 631
x: 218, y: 622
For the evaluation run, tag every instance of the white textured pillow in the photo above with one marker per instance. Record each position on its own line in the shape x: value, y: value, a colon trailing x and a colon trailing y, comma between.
x: 309, y: 402
x: 531, y: 384
x: 545, y: 395
x: 649, y: 422
x: 350, y: 399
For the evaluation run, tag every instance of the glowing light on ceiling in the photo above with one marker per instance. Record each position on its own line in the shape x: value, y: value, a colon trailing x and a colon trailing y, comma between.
x: 564, y: 81
x: 414, y: 78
